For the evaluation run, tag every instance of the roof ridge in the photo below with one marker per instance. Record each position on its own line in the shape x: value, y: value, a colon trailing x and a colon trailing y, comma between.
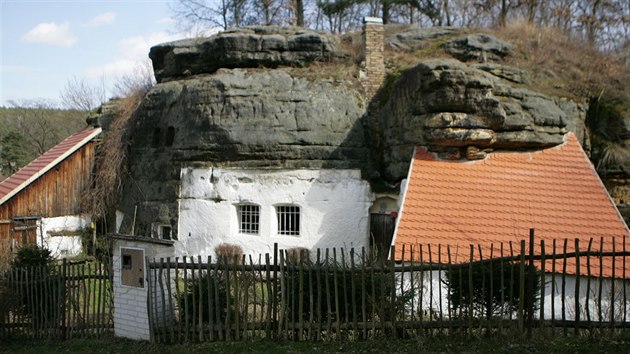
x: 44, y: 162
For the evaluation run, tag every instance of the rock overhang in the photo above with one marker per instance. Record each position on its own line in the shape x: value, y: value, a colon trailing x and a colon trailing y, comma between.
x: 249, y: 47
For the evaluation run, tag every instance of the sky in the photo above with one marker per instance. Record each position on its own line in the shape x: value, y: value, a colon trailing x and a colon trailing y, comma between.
x: 47, y: 43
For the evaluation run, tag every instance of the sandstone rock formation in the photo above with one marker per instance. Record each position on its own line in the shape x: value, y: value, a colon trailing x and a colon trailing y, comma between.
x: 208, y: 110
x: 478, y: 46
x: 446, y: 103
x: 243, y: 118
x: 249, y: 47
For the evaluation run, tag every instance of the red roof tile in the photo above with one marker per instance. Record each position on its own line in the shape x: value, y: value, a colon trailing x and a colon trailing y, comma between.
x: 497, y: 200
x: 29, y: 173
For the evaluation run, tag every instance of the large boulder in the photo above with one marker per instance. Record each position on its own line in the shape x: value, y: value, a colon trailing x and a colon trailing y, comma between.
x: 249, y: 47
x: 413, y: 39
x: 240, y: 118
x: 478, y: 46
x: 446, y: 103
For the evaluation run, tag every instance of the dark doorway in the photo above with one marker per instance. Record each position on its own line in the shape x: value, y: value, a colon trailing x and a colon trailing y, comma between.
x: 381, y: 233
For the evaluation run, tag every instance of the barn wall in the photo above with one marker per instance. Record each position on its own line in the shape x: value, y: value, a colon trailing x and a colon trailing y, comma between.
x: 57, y: 193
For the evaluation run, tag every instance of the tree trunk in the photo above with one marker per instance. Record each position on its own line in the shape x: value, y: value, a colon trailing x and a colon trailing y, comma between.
x: 532, y: 5
x: 299, y: 13
x: 503, y: 13
x: 385, y: 12
x: 447, y: 13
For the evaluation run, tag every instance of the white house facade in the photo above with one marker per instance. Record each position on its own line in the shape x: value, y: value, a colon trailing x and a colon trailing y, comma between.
x: 255, y: 209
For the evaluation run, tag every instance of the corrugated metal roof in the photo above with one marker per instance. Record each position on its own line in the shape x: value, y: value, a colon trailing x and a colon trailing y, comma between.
x: 499, y: 199
x: 29, y: 173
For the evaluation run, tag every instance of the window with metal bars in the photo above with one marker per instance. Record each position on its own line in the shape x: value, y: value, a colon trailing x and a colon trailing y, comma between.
x: 249, y: 218
x: 288, y: 220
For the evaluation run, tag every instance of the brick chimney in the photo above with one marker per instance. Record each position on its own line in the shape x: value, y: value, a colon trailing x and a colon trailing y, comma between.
x: 373, y: 46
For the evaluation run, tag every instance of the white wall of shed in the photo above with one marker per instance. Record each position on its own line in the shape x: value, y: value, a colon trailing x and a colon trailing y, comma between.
x: 60, y: 245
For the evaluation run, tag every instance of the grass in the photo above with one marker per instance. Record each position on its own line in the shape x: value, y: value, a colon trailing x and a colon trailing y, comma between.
x: 435, y: 344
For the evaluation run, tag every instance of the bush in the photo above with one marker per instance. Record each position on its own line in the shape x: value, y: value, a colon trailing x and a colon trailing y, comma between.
x: 503, y: 299
x: 32, y: 256
x: 36, y: 285
x: 333, y: 296
x: 211, y: 289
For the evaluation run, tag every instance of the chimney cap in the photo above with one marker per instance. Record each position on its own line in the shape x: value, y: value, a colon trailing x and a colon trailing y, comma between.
x: 375, y: 20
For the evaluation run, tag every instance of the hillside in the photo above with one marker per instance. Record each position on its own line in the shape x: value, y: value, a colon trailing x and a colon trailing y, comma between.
x: 27, y: 132
x: 271, y: 97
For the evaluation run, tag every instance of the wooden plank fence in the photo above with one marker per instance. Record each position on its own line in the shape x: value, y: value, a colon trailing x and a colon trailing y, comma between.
x: 67, y: 300
x: 339, y: 294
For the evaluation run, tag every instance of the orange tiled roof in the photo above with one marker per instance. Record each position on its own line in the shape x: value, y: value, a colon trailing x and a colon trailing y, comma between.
x: 497, y: 200
x: 29, y: 173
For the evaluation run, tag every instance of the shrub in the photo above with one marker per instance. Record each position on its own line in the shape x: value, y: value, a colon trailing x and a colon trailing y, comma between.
x: 32, y: 256
x: 227, y: 251
x: 211, y: 289
x: 36, y: 286
x: 489, y: 301
x: 330, y: 288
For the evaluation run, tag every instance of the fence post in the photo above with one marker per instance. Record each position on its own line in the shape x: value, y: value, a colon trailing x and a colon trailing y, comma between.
x: 577, y: 287
x: 276, y: 327
x: 150, y: 305
x: 470, y: 290
x: 521, y: 289
x: 542, y: 284
x: 612, y: 289
x: 530, y: 286
x: 62, y: 298
x: 283, y: 294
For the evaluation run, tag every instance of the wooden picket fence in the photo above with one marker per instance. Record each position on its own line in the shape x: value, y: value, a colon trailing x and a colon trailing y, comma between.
x: 68, y: 300
x: 338, y: 294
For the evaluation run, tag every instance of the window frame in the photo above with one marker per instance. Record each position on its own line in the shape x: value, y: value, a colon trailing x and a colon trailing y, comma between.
x: 288, y: 220
x: 253, y: 212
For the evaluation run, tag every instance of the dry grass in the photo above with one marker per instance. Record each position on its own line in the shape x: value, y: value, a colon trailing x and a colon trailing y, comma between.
x: 296, y: 255
x: 228, y: 251
x: 111, y: 156
x: 563, y: 65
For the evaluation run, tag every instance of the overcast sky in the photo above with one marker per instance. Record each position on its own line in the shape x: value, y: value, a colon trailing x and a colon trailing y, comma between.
x: 46, y: 43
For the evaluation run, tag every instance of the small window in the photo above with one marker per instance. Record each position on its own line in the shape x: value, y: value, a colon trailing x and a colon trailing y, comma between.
x: 170, y: 136
x: 249, y: 219
x: 288, y: 220
x: 155, y: 142
x: 164, y: 232
x: 126, y: 261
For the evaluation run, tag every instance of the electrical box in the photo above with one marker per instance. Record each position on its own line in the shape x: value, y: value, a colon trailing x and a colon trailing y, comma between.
x: 132, y: 267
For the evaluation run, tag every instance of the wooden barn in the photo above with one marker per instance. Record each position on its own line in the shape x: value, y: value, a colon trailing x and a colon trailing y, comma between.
x: 42, y: 202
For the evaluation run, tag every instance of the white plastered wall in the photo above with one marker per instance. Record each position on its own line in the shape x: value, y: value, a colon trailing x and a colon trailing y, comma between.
x: 62, y: 235
x: 334, y: 207
x: 435, y: 296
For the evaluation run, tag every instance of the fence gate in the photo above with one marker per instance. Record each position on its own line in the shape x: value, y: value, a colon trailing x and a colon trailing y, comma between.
x: 72, y: 299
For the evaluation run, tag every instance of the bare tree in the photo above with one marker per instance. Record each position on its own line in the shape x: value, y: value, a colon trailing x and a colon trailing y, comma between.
x: 80, y: 95
x: 191, y: 13
x: 236, y: 13
x: 137, y: 82
x: 30, y: 118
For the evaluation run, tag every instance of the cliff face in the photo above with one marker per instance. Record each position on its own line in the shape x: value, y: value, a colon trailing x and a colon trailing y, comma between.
x: 215, y: 105
x: 243, y: 118
x: 466, y: 111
